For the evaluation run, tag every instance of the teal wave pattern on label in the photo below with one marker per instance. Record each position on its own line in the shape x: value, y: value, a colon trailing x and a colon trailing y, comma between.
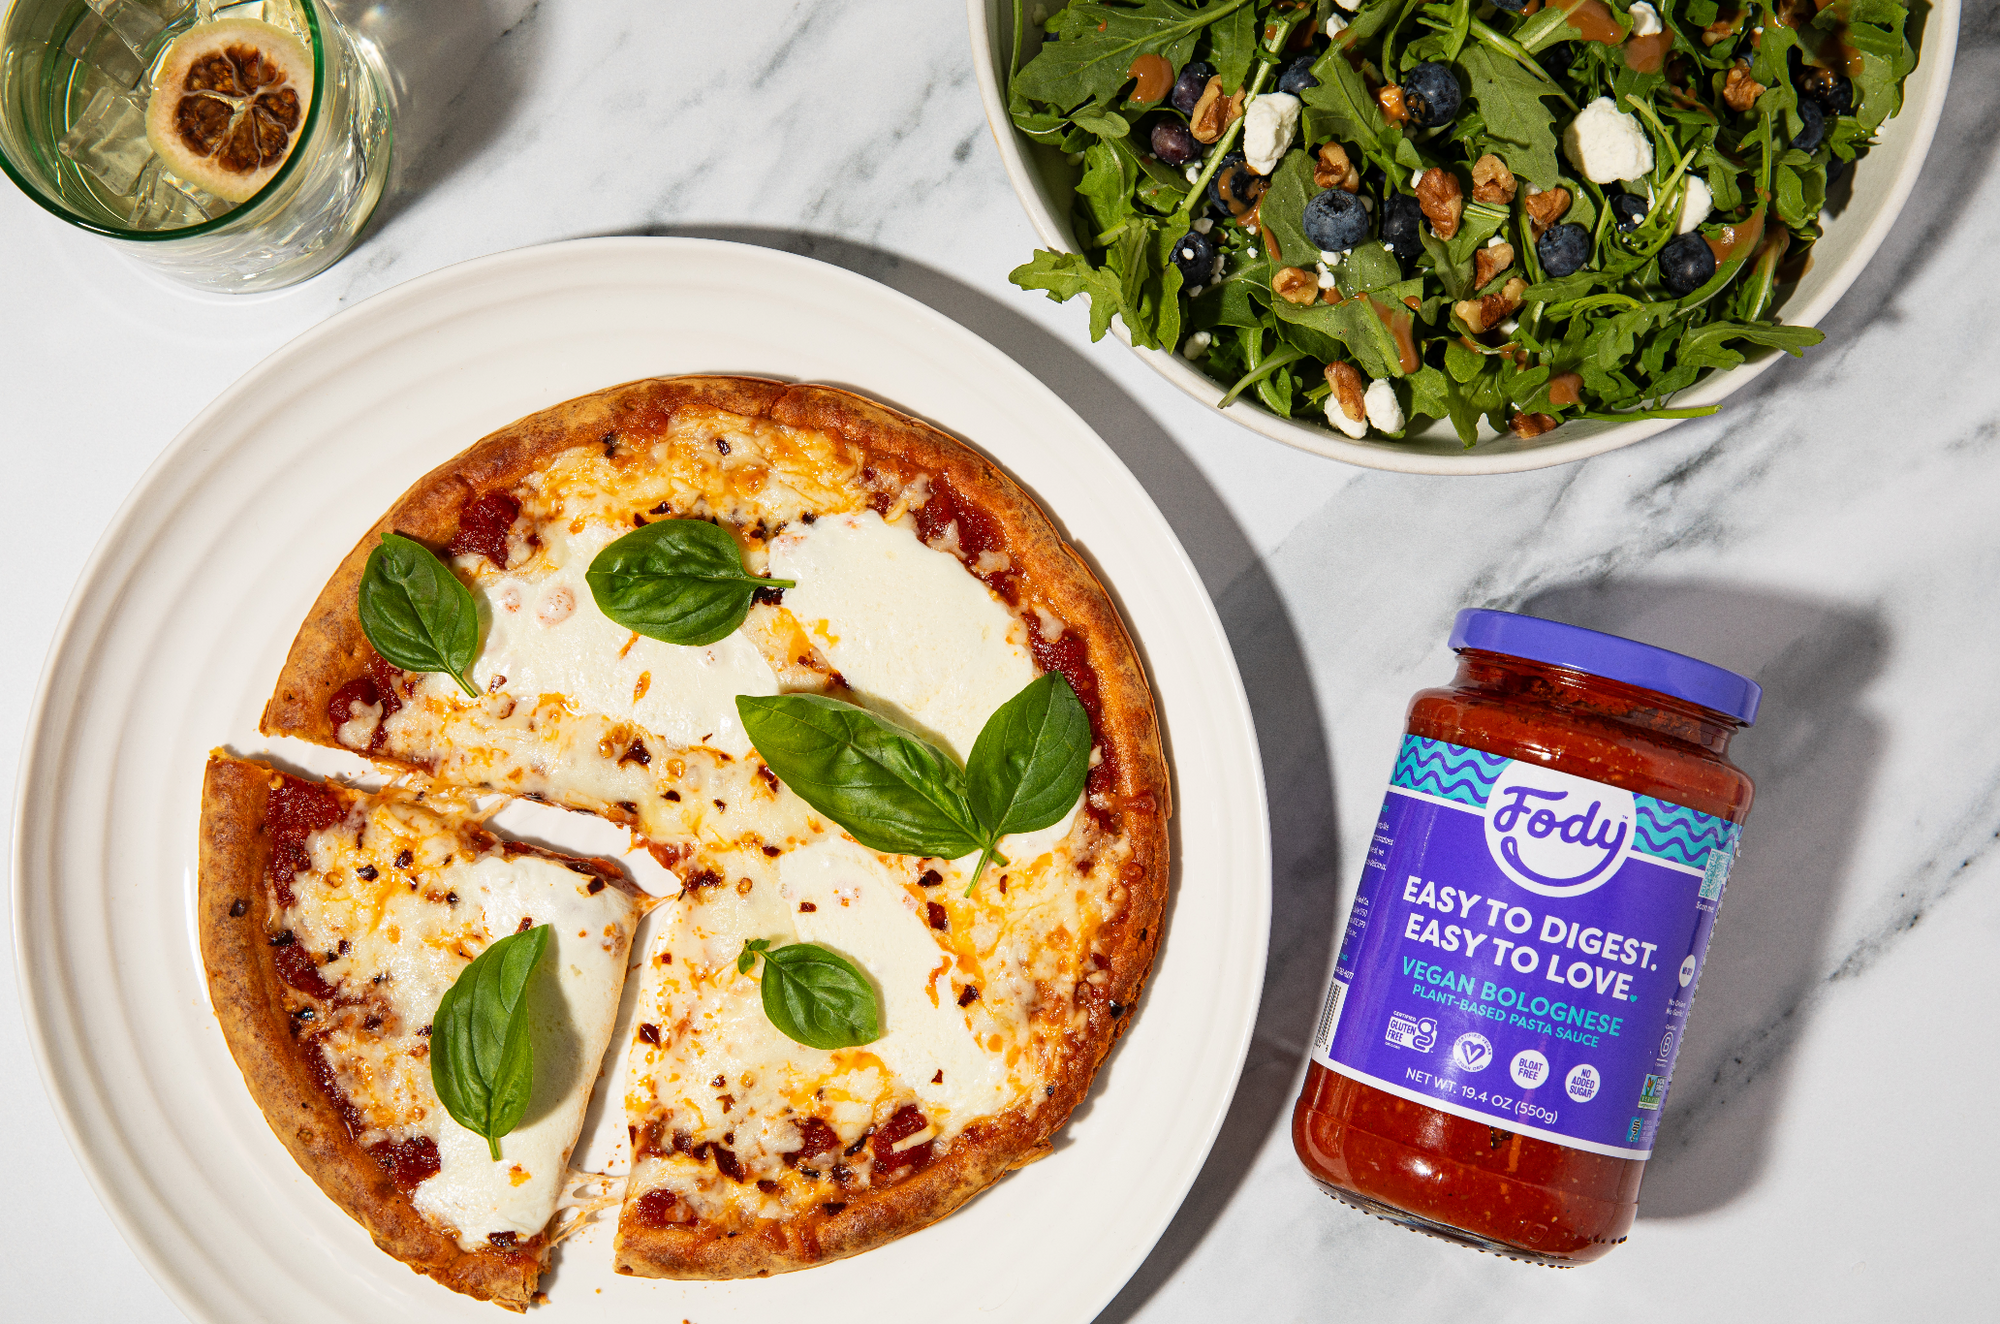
x: 1678, y: 834
x: 1450, y: 772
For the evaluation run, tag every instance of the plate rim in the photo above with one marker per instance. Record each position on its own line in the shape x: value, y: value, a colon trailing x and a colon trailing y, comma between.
x: 35, y: 759
x: 1941, y: 44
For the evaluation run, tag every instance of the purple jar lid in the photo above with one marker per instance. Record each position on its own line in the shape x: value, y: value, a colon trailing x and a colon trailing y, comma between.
x: 1609, y: 656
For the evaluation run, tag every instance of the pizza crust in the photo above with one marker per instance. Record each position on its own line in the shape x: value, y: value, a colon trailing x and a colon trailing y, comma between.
x: 331, y: 650
x: 233, y: 914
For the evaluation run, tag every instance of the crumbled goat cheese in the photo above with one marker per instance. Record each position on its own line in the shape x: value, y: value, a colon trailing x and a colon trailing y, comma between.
x: 1645, y: 20
x: 1385, y: 411
x: 1700, y: 202
x: 1269, y: 126
x: 1607, y: 146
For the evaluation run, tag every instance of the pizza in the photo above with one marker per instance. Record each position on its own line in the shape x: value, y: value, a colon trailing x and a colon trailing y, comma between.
x: 911, y: 585
x: 332, y: 923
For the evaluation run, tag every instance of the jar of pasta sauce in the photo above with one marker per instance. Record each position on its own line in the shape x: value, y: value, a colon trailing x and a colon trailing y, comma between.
x: 1492, y: 1057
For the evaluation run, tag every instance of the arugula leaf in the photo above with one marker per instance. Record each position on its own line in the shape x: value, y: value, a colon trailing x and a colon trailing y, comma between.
x: 1510, y: 103
x: 1355, y: 325
x: 1233, y: 46
x: 678, y: 580
x: 1283, y: 209
x: 416, y: 613
x: 1707, y: 346
x: 482, y: 1049
x: 1340, y: 108
x: 891, y: 791
x: 1096, y: 44
x: 1066, y: 275
x: 814, y: 995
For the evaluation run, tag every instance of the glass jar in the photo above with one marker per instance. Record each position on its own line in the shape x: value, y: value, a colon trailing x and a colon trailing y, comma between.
x: 1516, y: 972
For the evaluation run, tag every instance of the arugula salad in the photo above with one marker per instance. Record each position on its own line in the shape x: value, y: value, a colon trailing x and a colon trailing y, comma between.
x: 1404, y: 211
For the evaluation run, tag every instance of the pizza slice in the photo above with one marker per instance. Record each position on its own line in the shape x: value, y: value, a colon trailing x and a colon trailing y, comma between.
x: 875, y: 562
x: 333, y: 923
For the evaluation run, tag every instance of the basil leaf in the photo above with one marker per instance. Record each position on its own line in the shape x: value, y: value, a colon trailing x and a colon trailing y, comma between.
x: 416, y: 613
x: 1031, y: 759
x: 890, y: 790
x: 482, y: 1047
x: 679, y: 580
x: 814, y: 996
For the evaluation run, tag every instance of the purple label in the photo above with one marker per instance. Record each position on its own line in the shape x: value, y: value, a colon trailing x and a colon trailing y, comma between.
x: 1524, y: 947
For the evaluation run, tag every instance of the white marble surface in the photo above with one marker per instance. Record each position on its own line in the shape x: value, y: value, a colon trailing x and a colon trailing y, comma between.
x: 1835, y: 531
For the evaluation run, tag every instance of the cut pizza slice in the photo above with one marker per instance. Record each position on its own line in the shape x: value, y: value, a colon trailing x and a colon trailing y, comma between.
x: 873, y: 560
x: 332, y: 925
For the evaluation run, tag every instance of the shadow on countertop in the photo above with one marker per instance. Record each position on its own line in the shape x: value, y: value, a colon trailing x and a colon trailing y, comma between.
x: 1813, y: 754
x: 456, y: 71
x: 1290, y: 732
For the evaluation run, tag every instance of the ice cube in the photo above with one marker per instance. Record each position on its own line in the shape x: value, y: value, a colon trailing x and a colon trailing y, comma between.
x: 109, y: 139
x: 163, y: 200
x: 137, y: 22
x: 90, y: 43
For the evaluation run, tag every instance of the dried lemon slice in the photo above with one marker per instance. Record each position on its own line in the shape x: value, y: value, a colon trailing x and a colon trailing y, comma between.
x: 228, y: 102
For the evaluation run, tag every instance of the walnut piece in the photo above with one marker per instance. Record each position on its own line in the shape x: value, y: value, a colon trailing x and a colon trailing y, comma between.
x: 1442, y: 199
x: 1740, y: 90
x: 1350, y: 388
x: 1492, y: 181
x: 1531, y: 425
x: 1214, y: 112
x: 1489, y: 262
x: 1721, y: 30
x: 1390, y: 98
x: 1334, y: 170
x: 1545, y: 209
x: 1482, y: 315
x: 1295, y: 285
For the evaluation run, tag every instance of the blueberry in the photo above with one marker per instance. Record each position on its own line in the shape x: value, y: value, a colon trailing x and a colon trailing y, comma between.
x: 1431, y: 94
x: 1511, y: 6
x: 1194, y: 255
x: 1335, y: 221
x: 1814, y: 133
x: 1402, y: 226
x: 1173, y: 142
x: 1233, y: 188
x: 1628, y: 209
x: 1188, y: 88
x: 1298, y: 75
x: 1834, y: 92
x: 1557, y: 59
x: 1563, y: 249
x: 1686, y: 264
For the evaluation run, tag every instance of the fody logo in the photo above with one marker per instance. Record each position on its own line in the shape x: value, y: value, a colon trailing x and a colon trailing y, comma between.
x: 1557, y: 835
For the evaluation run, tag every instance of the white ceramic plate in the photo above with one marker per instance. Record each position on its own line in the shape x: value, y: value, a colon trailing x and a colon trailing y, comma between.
x: 1045, y: 184
x: 176, y: 633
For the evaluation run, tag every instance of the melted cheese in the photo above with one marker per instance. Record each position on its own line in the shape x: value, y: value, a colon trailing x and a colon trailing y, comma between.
x: 916, y: 637
x: 398, y: 942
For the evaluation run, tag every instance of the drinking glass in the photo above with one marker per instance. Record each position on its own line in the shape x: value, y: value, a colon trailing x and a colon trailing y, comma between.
x: 75, y: 78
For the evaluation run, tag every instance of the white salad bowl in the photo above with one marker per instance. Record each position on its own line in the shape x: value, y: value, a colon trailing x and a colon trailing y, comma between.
x: 1883, y: 178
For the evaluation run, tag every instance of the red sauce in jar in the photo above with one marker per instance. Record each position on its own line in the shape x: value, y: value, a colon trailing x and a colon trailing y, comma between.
x: 1476, y: 1181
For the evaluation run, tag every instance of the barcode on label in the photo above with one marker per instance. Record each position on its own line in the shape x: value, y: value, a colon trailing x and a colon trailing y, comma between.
x: 1329, y: 1017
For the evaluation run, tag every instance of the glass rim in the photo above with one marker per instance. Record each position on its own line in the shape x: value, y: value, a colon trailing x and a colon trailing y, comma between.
x: 62, y: 212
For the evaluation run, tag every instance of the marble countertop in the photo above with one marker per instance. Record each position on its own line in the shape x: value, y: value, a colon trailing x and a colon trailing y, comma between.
x: 1835, y: 532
